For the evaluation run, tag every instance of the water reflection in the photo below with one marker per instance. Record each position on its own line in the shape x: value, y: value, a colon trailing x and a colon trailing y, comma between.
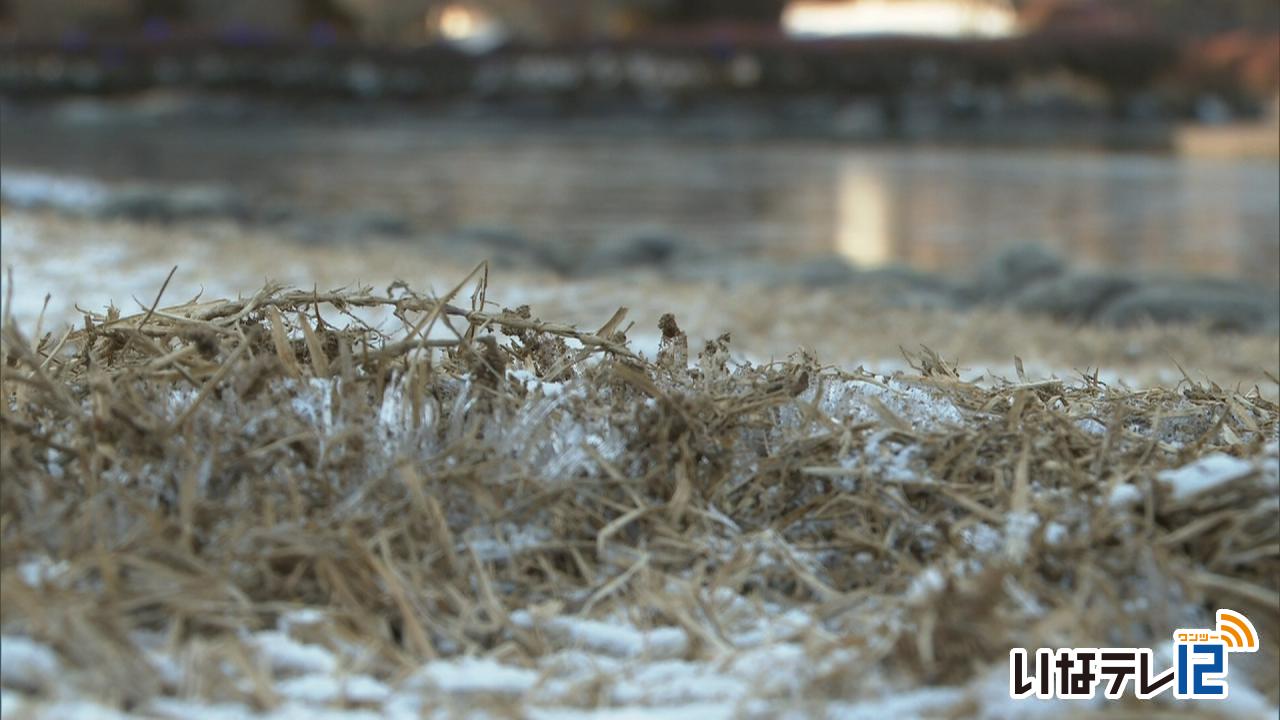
x: 862, y: 222
x: 941, y: 209
x: 934, y: 209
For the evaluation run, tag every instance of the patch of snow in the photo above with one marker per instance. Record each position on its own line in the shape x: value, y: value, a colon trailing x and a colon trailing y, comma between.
x: 43, y: 571
x: 918, y: 406
x: 645, y: 344
x: 1124, y: 495
x: 288, y: 656
x: 1055, y: 533
x: 677, y: 682
x: 613, y: 639
x: 926, y: 584
x: 322, y: 689
x: 532, y: 383
x: 471, y: 675
x: 1091, y: 426
x: 300, y: 617
x: 503, y: 542
x: 1018, y: 528
x: 892, y: 462
x: 773, y: 669
x: 10, y: 704
x: 983, y: 538
x: 775, y: 626
x: 1205, y: 474
x: 26, y: 664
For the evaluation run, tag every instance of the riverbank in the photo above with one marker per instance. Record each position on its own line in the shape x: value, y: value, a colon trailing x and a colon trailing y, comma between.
x: 858, y: 318
x: 187, y: 224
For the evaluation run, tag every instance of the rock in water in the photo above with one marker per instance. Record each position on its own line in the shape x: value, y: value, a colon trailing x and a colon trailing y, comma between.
x: 1074, y: 295
x: 628, y: 252
x: 507, y: 247
x: 1009, y: 271
x: 184, y: 203
x: 1222, y: 306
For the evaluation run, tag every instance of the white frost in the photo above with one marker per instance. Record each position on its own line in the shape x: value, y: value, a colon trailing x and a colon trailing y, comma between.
x: 26, y: 664
x: 288, y: 656
x: 612, y: 639
x: 475, y: 675
x: 1205, y: 474
x: 1124, y: 495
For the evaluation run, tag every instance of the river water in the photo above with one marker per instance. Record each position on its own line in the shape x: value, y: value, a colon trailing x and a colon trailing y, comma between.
x: 932, y: 208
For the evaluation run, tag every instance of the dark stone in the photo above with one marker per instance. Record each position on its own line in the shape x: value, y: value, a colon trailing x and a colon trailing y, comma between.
x: 1073, y: 296
x: 1011, y: 270
x: 384, y: 223
x: 1222, y: 306
x: 629, y: 252
x: 155, y: 203
x: 823, y: 271
x: 505, y: 247
x: 903, y: 286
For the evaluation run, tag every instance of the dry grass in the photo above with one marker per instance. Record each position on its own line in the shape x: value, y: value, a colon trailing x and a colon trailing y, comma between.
x: 198, y: 470
x: 841, y: 325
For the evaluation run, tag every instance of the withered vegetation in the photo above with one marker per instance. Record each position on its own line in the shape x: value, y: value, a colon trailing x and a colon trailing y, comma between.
x: 198, y: 470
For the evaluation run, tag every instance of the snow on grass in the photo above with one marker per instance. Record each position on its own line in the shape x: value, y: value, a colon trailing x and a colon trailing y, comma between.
x: 1205, y: 474
x: 630, y: 669
x: 1018, y: 529
x: 678, y: 682
x: 173, y: 709
x: 926, y: 584
x: 26, y: 664
x: 288, y: 656
x: 503, y: 542
x: 471, y: 675
x: 1124, y: 495
x: 532, y: 383
x: 324, y: 689
x: 607, y: 638
x: 40, y: 571
x: 1055, y: 533
x: 854, y: 401
x: 983, y: 538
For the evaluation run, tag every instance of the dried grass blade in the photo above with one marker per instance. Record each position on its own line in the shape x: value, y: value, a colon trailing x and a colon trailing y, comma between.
x: 319, y: 360
x: 280, y: 339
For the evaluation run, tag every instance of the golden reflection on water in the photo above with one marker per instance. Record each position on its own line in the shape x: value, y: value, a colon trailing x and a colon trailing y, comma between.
x: 862, y: 222
x: 942, y: 210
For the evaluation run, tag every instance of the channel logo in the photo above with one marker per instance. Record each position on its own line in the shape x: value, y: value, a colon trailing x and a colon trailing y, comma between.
x: 1236, y: 632
x: 1199, y: 671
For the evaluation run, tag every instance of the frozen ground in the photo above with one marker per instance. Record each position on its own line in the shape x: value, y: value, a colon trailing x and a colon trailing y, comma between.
x: 736, y: 657
x: 594, y: 670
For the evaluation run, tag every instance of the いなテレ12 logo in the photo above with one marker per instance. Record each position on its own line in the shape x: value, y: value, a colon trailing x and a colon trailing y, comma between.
x: 1199, y: 670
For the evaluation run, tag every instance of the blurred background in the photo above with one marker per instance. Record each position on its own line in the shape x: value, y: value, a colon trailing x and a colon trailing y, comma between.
x: 1081, y: 159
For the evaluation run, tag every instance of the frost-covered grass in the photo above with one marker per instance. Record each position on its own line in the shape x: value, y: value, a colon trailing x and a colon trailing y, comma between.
x: 271, y: 506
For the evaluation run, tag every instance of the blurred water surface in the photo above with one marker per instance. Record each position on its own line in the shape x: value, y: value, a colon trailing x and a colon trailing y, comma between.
x: 935, y: 209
